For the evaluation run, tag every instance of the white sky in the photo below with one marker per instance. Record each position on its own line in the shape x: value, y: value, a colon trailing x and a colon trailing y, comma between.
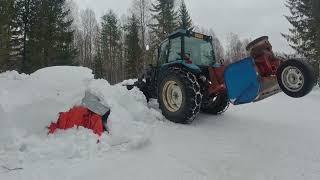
x: 248, y: 18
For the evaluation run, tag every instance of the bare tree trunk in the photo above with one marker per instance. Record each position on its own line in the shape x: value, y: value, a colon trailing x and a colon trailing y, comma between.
x: 141, y: 9
x: 25, y: 30
x: 88, y: 28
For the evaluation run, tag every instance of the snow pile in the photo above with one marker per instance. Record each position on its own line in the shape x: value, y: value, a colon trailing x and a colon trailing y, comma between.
x: 130, y: 117
x: 28, y: 103
x: 12, y: 75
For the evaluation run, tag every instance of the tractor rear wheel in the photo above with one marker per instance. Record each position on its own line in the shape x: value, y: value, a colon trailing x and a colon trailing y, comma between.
x: 179, y: 96
x: 296, y: 78
x: 216, y: 105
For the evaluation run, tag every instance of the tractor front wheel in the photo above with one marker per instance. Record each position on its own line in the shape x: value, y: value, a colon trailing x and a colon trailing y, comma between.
x: 296, y: 78
x: 179, y: 96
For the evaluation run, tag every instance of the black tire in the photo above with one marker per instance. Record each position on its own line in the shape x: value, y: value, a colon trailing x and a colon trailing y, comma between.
x: 306, y: 78
x: 146, y: 92
x: 219, y: 105
x: 191, y: 95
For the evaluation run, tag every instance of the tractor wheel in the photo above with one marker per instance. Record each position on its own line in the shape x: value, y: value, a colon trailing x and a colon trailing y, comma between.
x: 218, y: 105
x: 296, y: 78
x: 179, y: 96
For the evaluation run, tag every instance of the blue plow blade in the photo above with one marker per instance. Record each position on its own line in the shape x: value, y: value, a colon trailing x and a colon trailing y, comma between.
x: 241, y: 81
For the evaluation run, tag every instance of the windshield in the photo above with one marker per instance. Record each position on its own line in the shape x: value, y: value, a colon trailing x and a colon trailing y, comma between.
x: 199, y: 51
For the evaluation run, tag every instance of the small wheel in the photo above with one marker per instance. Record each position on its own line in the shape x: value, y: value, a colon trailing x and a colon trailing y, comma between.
x: 179, y: 96
x: 296, y: 78
x: 218, y: 105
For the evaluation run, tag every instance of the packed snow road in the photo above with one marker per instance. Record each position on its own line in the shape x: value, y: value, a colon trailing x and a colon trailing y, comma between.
x: 277, y: 138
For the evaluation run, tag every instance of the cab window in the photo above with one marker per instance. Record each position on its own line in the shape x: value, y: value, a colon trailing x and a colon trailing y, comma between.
x: 175, y: 49
x: 164, y: 51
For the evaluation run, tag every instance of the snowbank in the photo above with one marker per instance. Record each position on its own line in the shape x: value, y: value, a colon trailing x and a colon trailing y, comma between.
x: 28, y: 103
x: 277, y: 138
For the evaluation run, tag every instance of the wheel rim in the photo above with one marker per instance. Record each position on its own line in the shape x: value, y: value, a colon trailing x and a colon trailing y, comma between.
x: 172, y: 96
x: 292, y: 79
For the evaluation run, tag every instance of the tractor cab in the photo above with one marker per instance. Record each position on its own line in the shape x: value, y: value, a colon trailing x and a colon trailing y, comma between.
x: 188, y: 46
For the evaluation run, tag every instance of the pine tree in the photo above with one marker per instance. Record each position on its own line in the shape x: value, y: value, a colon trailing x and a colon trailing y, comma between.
x: 185, y: 21
x: 133, y: 49
x: 304, y: 37
x: 111, y: 45
x: 165, y: 18
x: 6, y: 15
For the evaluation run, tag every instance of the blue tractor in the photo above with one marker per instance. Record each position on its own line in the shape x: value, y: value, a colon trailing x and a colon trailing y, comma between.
x: 186, y: 78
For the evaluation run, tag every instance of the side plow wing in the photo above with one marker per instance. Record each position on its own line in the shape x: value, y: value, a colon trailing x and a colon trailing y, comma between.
x: 244, y: 85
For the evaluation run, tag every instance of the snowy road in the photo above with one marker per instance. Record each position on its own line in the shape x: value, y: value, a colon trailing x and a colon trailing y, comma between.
x: 276, y: 139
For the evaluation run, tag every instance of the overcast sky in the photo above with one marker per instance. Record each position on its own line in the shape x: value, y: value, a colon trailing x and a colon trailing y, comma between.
x: 248, y: 18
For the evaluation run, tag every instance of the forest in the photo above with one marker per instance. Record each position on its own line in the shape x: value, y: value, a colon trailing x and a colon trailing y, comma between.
x: 39, y: 33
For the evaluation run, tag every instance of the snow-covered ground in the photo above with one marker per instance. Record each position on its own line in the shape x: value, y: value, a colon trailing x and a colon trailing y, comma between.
x: 276, y: 139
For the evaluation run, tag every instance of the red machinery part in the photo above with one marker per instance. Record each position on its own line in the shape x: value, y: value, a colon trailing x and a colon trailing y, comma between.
x: 261, y: 51
x: 266, y: 65
x: 216, y: 85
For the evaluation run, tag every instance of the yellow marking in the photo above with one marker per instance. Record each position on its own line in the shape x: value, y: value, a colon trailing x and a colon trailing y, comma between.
x: 199, y: 36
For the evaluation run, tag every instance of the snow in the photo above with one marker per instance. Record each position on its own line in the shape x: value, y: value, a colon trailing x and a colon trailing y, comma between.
x: 277, y: 138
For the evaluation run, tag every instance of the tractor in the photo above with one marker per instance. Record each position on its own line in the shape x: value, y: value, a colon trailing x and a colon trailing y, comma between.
x: 186, y: 78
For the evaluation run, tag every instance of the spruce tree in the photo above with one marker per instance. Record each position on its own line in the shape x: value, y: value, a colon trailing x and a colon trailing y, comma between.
x: 165, y: 18
x: 304, y: 37
x: 26, y: 12
x: 51, y: 35
x: 134, y: 52
x: 41, y: 34
x: 185, y: 21
x: 36, y: 33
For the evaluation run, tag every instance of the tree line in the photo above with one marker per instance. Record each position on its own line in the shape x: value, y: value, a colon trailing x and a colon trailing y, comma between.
x: 35, y: 34
x: 40, y: 33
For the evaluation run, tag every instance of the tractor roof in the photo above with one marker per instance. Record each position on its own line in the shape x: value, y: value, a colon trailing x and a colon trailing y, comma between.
x: 179, y: 32
x: 189, y: 33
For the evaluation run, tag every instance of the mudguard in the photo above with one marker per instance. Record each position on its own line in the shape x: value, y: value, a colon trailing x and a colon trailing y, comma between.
x: 241, y: 81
